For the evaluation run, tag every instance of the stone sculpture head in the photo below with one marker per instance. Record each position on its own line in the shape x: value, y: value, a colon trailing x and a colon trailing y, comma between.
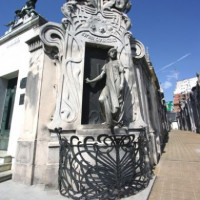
x: 123, y: 5
x: 112, y: 53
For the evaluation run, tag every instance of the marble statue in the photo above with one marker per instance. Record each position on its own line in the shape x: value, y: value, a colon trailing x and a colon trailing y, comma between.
x: 28, y: 9
x: 111, y: 97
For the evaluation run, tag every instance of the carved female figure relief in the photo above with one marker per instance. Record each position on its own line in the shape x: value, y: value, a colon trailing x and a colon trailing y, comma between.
x: 111, y: 97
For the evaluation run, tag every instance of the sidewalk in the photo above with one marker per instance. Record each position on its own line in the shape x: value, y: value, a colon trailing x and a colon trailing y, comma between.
x: 10, y: 190
x: 178, y: 172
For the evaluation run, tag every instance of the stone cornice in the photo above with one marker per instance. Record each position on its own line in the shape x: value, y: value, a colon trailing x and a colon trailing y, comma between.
x: 34, y: 43
x: 37, y: 21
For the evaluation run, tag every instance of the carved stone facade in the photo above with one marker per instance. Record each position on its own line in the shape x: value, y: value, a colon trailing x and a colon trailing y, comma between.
x: 88, y: 24
x: 15, y: 60
x: 152, y: 101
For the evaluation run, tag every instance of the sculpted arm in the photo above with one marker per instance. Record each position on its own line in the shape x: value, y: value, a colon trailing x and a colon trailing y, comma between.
x: 87, y: 80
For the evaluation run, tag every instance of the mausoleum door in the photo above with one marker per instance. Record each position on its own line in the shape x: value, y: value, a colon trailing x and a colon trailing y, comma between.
x: 95, y: 59
x: 7, y: 114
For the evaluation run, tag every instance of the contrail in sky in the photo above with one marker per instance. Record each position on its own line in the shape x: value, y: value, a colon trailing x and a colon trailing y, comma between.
x: 172, y: 63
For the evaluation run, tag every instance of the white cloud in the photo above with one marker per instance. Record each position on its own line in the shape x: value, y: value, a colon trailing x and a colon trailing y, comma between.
x: 173, y: 63
x: 166, y: 85
x: 174, y: 75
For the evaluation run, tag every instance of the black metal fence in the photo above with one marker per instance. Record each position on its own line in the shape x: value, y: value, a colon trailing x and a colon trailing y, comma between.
x: 102, y: 168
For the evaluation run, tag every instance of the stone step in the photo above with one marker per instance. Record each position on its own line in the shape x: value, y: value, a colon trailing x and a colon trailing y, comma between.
x: 5, y: 159
x: 5, y: 167
x: 4, y: 176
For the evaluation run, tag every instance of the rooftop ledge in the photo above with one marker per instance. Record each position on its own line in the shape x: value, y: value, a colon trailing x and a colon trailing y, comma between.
x: 27, y: 24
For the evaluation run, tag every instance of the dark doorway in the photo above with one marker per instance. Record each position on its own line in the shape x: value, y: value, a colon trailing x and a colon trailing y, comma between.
x: 7, y: 113
x: 95, y: 58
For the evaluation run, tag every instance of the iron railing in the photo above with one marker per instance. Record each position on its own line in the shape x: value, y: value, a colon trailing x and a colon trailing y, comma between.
x: 102, y: 168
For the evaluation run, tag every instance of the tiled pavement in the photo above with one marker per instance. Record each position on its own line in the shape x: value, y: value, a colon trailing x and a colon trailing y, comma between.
x: 178, y: 173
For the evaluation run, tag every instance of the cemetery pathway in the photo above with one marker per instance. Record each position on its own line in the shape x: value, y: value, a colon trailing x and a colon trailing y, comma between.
x: 178, y: 172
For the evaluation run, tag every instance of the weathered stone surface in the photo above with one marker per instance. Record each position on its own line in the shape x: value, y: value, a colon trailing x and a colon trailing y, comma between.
x: 51, y: 176
x: 48, y: 98
x: 53, y: 154
x: 23, y: 173
x: 41, y: 152
x: 39, y: 174
x: 27, y: 145
x: 24, y: 154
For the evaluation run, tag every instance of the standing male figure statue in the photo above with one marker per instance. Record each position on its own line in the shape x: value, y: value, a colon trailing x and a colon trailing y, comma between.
x: 111, y: 97
x: 27, y: 9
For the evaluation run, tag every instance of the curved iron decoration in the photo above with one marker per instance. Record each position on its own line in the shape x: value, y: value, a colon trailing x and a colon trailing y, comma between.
x: 109, y: 167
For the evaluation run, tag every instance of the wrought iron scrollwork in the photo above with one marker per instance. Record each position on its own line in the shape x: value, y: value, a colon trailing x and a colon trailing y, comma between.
x: 106, y: 167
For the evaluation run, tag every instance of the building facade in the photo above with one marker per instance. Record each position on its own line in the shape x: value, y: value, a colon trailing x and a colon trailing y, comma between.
x: 189, y: 110
x: 15, y: 62
x: 182, y: 91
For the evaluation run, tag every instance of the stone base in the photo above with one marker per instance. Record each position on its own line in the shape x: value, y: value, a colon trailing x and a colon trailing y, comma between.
x: 4, y: 176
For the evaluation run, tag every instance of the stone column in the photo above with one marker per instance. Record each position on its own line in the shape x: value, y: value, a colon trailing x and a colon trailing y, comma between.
x: 27, y: 142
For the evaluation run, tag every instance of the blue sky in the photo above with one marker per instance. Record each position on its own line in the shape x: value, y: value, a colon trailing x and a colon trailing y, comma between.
x: 170, y: 29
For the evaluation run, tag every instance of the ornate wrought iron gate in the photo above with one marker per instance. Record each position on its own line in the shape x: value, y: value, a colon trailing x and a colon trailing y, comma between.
x: 106, y: 167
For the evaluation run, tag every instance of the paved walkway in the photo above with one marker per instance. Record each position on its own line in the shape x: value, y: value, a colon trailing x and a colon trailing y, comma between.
x: 10, y: 190
x: 178, y: 172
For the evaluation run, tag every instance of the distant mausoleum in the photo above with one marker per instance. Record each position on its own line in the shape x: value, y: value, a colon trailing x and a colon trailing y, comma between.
x: 188, y: 115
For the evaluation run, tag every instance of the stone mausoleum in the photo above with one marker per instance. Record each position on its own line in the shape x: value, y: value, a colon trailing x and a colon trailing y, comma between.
x: 81, y: 108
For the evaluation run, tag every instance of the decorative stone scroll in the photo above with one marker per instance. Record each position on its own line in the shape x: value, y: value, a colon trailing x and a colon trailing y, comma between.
x: 138, y: 49
x: 88, y: 22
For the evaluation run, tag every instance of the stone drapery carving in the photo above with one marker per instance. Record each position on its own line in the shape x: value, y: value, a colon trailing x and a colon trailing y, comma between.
x: 93, y: 22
